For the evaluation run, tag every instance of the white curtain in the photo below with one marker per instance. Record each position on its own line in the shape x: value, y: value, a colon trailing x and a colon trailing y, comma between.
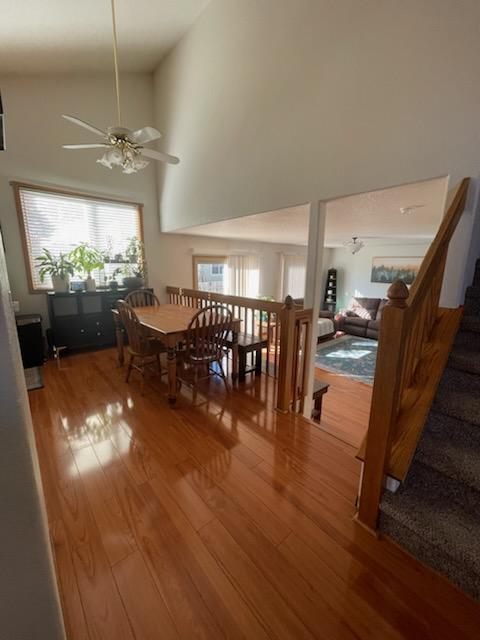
x: 242, y: 275
x: 293, y: 276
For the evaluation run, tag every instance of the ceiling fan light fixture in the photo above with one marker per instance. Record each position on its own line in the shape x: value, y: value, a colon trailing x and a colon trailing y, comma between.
x: 125, y: 148
x: 354, y: 245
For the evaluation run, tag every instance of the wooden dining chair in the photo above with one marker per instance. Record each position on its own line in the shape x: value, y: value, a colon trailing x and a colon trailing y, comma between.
x: 206, y: 340
x: 142, y: 298
x: 142, y: 350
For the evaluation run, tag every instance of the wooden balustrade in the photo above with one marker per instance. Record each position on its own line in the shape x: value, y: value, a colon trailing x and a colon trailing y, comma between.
x: 414, y: 344
x: 295, y: 340
x: 258, y: 317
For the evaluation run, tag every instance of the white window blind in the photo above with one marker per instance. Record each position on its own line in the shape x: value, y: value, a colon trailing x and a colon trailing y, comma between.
x: 60, y: 222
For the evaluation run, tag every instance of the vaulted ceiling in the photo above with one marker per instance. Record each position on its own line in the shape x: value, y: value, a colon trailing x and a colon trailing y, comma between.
x: 63, y: 35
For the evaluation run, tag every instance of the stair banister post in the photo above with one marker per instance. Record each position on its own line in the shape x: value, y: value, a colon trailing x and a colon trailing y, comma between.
x: 287, y: 349
x: 383, y: 412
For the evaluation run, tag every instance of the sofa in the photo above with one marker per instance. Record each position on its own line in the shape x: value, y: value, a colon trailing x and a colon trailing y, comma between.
x: 361, y: 317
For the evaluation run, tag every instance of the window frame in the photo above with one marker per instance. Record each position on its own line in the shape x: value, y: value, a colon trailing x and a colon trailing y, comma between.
x: 197, y: 259
x: 16, y: 185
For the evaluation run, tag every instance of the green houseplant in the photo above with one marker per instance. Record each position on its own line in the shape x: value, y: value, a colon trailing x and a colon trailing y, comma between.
x: 135, y: 272
x: 58, y: 268
x: 85, y: 259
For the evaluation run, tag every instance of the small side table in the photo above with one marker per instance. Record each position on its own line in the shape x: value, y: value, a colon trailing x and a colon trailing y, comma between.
x: 320, y: 388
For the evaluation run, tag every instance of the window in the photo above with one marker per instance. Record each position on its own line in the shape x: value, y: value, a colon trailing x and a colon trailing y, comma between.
x: 59, y: 221
x: 294, y: 273
x: 209, y: 273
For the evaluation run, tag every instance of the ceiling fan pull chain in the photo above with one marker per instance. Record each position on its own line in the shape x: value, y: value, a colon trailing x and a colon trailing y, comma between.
x: 115, y: 59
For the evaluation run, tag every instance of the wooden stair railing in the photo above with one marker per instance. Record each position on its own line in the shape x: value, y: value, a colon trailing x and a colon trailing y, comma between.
x: 295, y: 340
x: 258, y: 317
x: 414, y: 343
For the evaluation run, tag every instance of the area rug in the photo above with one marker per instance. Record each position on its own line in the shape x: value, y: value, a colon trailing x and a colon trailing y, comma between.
x: 349, y: 356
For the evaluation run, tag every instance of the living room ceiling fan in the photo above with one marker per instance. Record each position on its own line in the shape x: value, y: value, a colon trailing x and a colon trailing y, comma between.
x: 125, y: 147
x: 354, y: 245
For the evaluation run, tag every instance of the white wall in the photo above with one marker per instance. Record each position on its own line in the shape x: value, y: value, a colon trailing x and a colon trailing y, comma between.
x: 354, y: 270
x: 29, y: 604
x: 35, y: 132
x: 273, y: 103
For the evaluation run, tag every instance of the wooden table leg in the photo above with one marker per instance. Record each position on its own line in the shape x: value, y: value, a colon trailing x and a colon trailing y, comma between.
x: 172, y: 373
x: 119, y: 339
x: 235, y: 357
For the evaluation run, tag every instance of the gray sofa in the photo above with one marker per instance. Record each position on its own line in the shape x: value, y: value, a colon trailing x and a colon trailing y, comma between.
x: 361, y: 317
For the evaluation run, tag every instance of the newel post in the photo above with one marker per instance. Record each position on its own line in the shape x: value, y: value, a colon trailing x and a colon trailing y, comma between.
x: 287, y: 353
x: 385, y: 400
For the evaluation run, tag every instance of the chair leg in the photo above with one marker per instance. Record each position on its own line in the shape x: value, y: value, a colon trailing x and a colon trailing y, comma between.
x: 242, y: 365
x: 129, y: 369
x: 224, y: 377
x: 195, y: 384
x: 142, y: 387
x: 258, y: 362
x: 159, y: 365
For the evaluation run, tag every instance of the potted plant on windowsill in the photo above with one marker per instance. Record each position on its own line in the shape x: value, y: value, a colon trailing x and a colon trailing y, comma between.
x: 86, y: 259
x: 135, y: 272
x: 58, y: 268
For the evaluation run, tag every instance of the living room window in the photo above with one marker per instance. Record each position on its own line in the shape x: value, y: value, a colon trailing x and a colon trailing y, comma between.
x: 209, y: 273
x: 61, y: 220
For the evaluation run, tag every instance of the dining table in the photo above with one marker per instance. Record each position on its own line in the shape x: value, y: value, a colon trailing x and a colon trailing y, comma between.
x: 169, y: 323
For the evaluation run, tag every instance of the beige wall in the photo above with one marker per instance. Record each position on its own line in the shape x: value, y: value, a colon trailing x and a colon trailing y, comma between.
x: 35, y: 132
x: 29, y: 605
x: 273, y: 103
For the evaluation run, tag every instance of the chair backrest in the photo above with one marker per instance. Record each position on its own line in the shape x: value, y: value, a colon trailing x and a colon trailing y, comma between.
x: 136, y: 340
x: 207, y: 333
x: 142, y: 298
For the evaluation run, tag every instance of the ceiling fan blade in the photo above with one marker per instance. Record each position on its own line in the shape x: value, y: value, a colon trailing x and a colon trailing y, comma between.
x: 147, y: 134
x: 85, y: 125
x: 159, y: 155
x: 99, y: 145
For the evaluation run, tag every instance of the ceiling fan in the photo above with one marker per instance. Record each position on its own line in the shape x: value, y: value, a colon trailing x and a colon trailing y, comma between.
x: 124, y: 147
x: 354, y: 245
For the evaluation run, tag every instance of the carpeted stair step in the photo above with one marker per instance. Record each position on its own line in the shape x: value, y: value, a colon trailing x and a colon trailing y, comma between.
x: 476, y: 277
x: 451, y: 447
x: 472, y: 300
x: 467, y: 338
x: 465, y: 358
x: 436, y: 519
x: 470, y: 323
x: 458, y: 396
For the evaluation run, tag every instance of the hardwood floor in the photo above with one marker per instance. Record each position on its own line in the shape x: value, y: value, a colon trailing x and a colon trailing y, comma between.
x: 346, y: 407
x: 221, y: 520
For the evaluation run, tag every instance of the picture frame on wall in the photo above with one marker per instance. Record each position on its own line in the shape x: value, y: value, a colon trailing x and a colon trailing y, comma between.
x: 388, y: 269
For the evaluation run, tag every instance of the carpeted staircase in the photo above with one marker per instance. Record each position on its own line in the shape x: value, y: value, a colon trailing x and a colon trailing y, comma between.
x: 435, y: 515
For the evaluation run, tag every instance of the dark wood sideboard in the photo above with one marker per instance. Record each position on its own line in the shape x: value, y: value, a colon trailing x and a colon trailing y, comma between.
x: 81, y: 320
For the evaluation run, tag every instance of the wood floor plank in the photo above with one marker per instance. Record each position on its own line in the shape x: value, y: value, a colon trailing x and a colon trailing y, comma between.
x: 152, y: 533
x: 285, y: 578
x: 226, y: 517
x: 145, y: 607
x: 117, y: 539
x: 235, y: 618
x: 73, y: 614
x: 262, y: 597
